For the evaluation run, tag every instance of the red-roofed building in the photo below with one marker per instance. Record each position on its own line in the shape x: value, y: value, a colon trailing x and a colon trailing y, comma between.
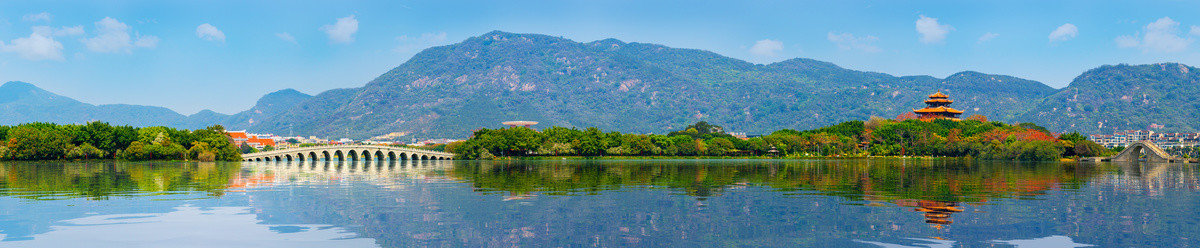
x: 253, y: 140
x: 259, y: 143
x: 238, y: 137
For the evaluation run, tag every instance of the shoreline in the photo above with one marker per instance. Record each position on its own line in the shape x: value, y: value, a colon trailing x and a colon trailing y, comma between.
x: 759, y: 158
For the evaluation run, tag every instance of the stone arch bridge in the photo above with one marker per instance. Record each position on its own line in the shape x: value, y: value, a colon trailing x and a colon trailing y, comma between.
x: 1142, y: 151
x: 347, y: 153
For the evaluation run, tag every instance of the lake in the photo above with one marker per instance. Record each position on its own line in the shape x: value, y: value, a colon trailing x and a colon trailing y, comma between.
x: 642, y: 203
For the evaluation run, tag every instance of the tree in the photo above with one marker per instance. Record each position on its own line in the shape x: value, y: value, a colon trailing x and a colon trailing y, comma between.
x: 591, y: 143
x: 247, y: 149
x: 978, y: 117
x: 37, y: 141
x: 1088, y: 148
x: 135, y: 151
x: 85, y: 151
x: 906, y: 116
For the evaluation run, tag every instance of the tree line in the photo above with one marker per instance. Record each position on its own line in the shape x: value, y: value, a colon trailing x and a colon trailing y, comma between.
x: 974, y: 138
x: 100, y: 140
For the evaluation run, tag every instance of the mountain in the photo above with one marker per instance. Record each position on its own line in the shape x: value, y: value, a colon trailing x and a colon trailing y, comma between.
x: 447, y: 91
x: 22, y: 102
x: 632, y: 87
x: 1120, y: 97
x: 267, y: 107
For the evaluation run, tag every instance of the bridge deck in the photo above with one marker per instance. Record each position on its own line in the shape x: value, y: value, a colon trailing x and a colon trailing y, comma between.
x: 347, y: 153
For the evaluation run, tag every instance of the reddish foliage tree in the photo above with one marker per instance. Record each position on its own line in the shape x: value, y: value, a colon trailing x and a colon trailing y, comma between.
x: 980, y: 118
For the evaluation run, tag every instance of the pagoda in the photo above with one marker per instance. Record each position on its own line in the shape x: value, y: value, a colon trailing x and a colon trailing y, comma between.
x: 938, y: 107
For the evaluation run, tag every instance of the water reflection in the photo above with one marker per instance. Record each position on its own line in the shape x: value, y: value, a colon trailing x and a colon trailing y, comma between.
x: 190, y: 226
x: 101, y: 180
x: 890, y: 203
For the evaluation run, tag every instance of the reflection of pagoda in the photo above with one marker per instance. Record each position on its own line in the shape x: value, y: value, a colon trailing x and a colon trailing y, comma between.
x: 938, y: 108
x: 935, y: 212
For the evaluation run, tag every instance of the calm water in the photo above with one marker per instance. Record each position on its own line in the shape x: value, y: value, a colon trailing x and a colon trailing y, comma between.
x: 742, y: 203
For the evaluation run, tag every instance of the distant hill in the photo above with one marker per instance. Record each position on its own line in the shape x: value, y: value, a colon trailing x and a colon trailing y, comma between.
x: 22, y: 102
x: 632, y: 87
x: 267, y: 107
x: 448, y: 91
x: 1119, y: 97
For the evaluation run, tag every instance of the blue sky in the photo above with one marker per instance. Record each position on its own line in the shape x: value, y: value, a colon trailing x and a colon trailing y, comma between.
x: 223, y: 55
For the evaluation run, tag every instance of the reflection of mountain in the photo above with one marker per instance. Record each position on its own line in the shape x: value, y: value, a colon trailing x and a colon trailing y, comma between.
x: 752, y: 203
x: 690, y: 203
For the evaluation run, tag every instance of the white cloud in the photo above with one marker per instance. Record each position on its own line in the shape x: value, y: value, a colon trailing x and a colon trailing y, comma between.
x: 987, y: 36
x: 148, y: 41
x: 112, y: 36
x: 64, y: 31
x: 1162, y: 35
x: 286, y: 37
x: 408, y: 44
x: 766, y: 47
x: 343, y: 30
x: 209, y: 32
x: 37, y: 46
x: 1126, y: 41
x: 847, y: 41
x: 1195, y: 30
x: 36, y: 17
x: 69, y: 31
x: 1064, y: 32
x: 931, y: 31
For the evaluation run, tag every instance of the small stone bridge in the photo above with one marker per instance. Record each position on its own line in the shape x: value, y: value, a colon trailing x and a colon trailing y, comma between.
x: 347, y: 153
x: 1142, y: 151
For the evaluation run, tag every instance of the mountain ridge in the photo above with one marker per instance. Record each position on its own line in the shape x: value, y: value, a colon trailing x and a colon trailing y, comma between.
x: 446, y: 91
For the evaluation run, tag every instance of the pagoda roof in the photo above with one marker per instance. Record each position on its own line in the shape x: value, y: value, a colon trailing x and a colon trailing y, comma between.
x: 937, y: 110
x: 938, y: 95
x: 939, y: 100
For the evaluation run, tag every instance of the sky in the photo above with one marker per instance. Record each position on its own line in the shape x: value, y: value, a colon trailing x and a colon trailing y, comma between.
x: 224, y: 55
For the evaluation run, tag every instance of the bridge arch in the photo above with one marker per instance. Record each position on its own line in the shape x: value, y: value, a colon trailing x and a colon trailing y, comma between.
x: 347, y: 153
x: 1142, y: 150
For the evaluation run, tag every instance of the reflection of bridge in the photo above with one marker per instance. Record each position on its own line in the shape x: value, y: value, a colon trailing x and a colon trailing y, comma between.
x: 384, y: 173
x: 351, y: 168
x: 347, y: 152
x: 1142, y: 151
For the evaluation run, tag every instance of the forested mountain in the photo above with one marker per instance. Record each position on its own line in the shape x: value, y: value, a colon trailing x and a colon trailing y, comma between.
x: 632, y: 87
x: 448, y: 91
x: 22, y: 102
x: 268, y: 106
x: 1119, y: 97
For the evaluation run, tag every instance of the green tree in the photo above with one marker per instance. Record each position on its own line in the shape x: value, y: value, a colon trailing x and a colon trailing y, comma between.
x: 38, y: 141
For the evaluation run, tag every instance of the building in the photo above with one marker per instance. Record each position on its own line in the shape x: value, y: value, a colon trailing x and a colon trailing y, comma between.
x: 258, y: 141
x: 238, y: 137
x: 525, y: 124
x: 938, y: 107
x: 1164, y: 140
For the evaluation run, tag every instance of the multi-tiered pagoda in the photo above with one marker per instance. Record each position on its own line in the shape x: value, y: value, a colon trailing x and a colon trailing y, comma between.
x: 938, y: 107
